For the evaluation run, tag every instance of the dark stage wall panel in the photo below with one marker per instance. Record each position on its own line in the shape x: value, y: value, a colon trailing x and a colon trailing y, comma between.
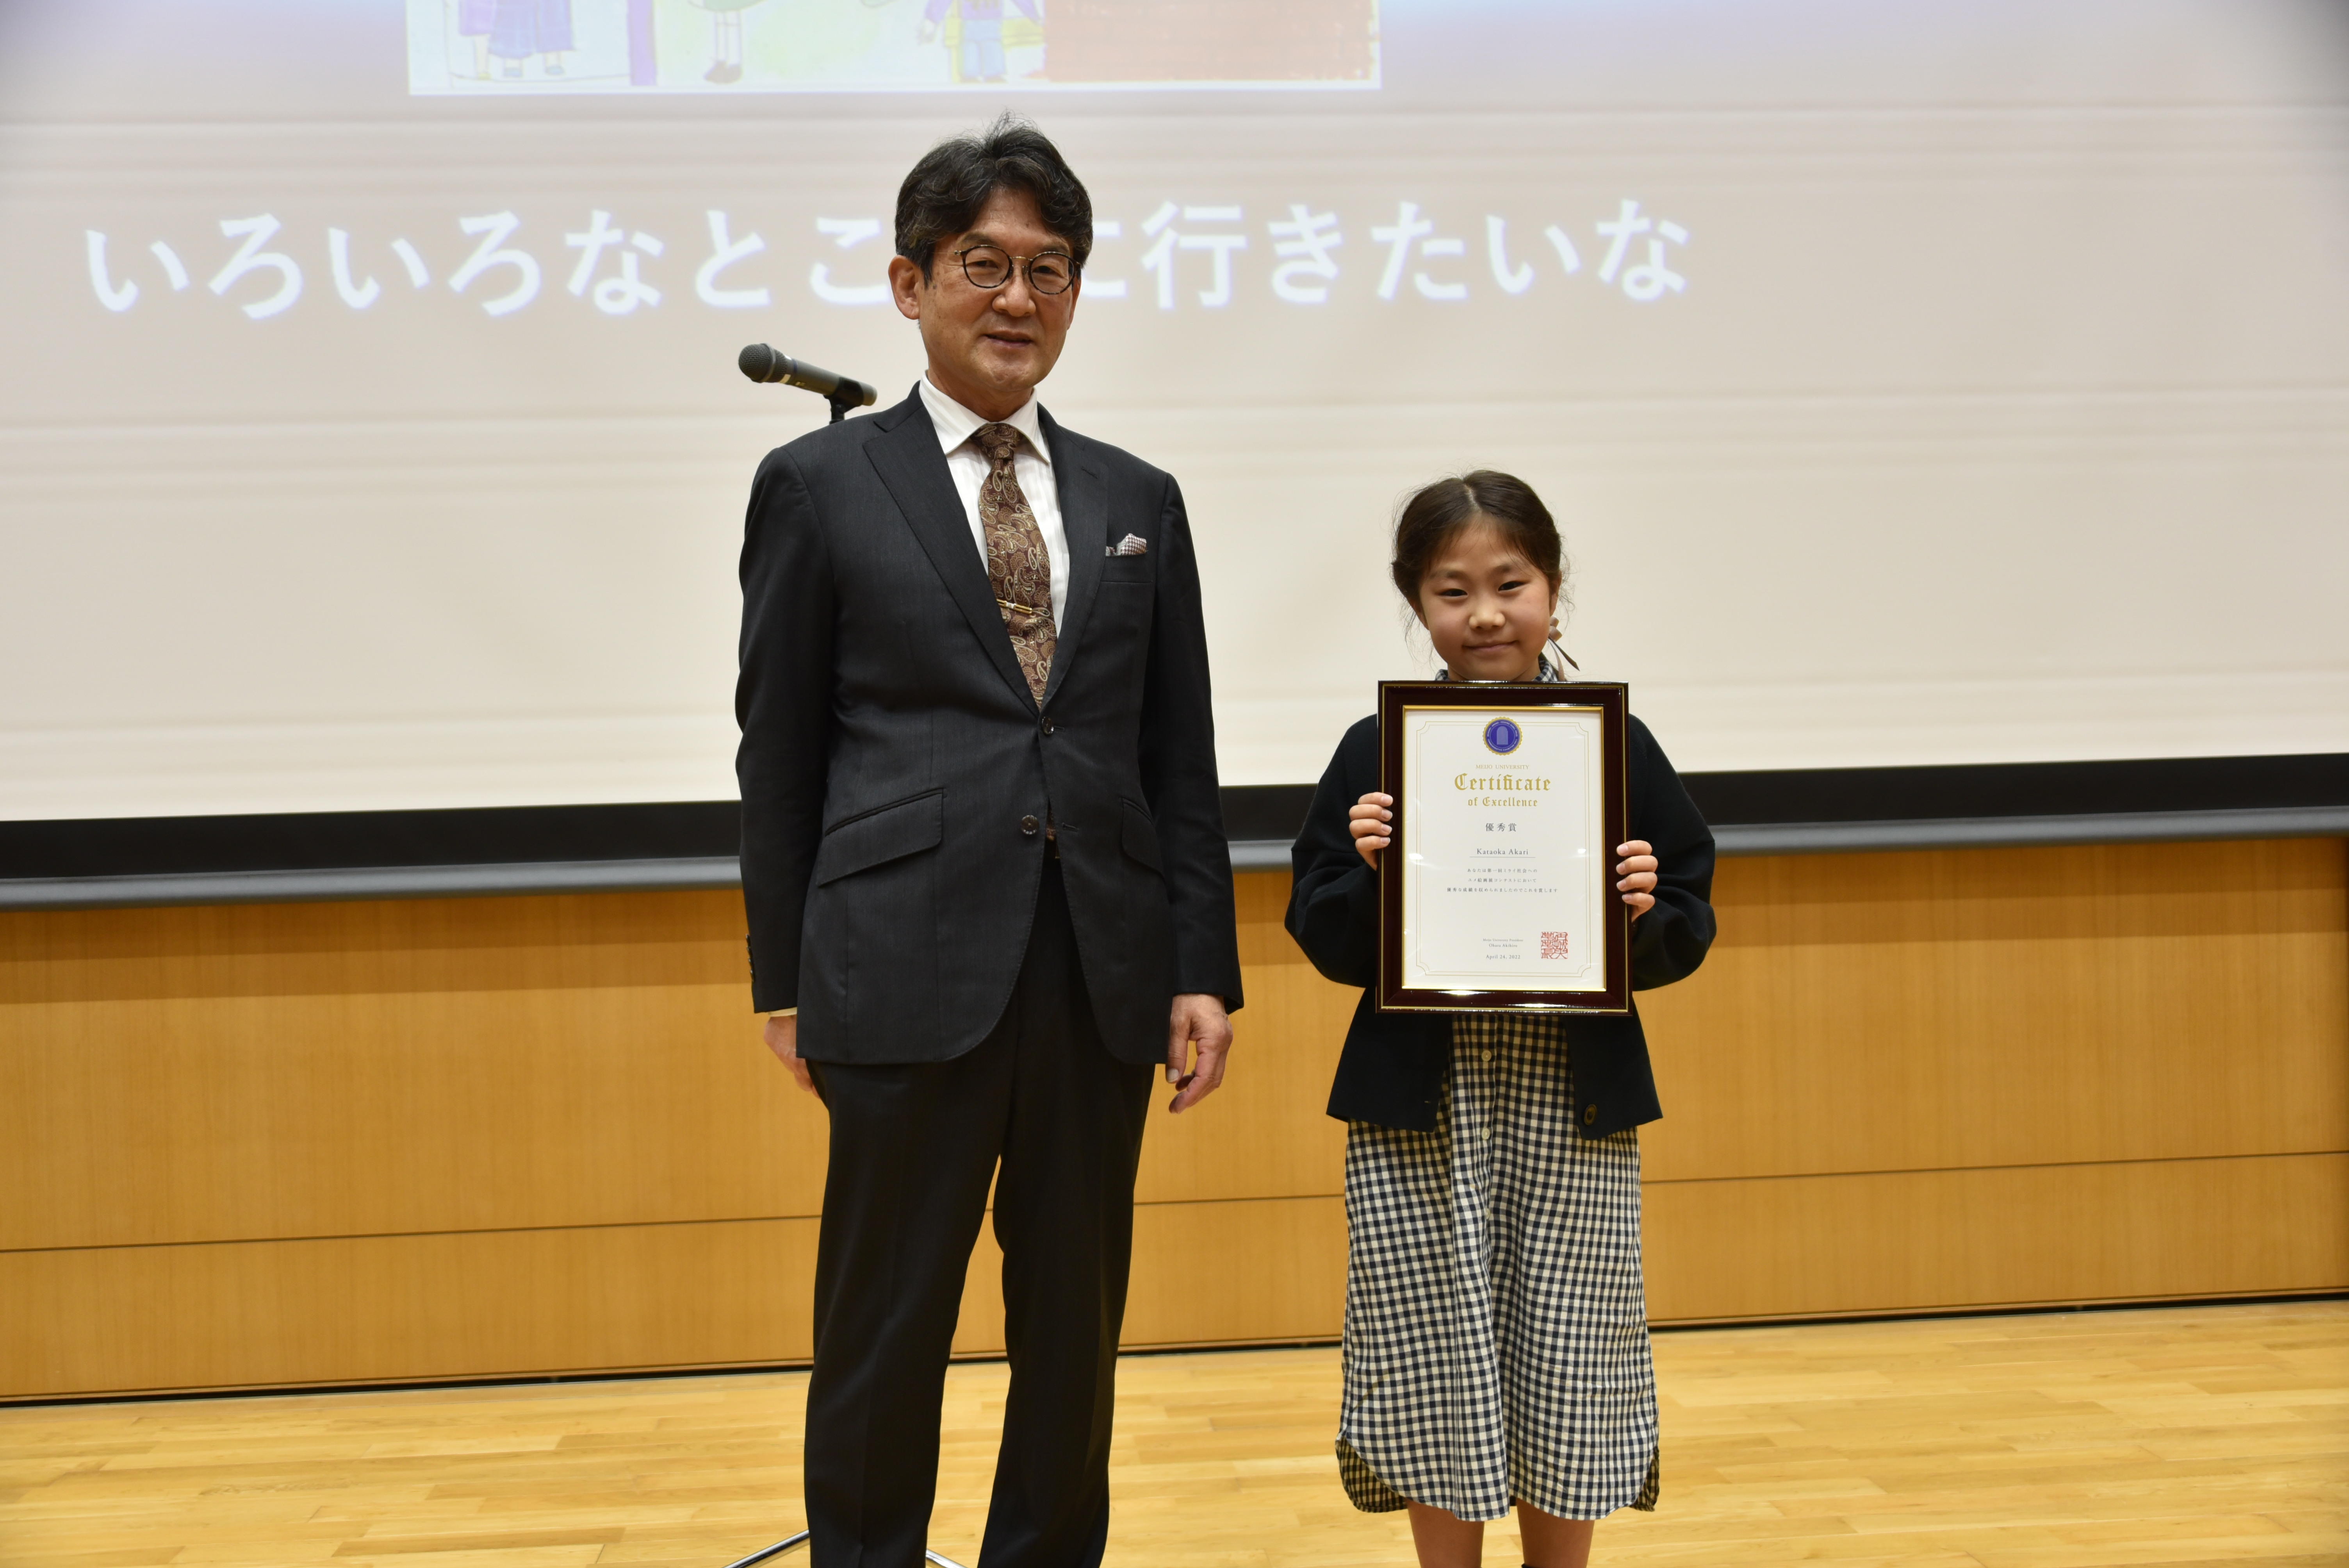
x: 279, y: 1144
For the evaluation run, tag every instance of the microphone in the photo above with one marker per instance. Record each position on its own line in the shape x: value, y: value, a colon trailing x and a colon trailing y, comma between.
x: 760, y: 363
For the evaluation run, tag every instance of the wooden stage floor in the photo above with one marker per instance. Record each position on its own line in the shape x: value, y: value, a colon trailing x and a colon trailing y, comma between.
x: 2178, y: 1437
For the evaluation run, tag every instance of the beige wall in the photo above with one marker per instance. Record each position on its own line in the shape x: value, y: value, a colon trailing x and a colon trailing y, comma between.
x: 278, y: 1144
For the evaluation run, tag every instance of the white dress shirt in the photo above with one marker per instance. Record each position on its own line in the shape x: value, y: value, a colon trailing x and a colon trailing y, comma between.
x: 1031, y: 465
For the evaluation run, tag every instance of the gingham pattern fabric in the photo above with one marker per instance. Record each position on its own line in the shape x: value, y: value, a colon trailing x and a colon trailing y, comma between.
x: 1496, y: 1327
x: 1017, y: 561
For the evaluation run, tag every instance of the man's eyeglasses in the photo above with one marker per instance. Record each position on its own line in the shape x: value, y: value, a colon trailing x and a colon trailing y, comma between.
x: 989, y: 267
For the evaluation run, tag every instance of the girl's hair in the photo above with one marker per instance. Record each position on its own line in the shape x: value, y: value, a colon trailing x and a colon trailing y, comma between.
x: 1433, y: 517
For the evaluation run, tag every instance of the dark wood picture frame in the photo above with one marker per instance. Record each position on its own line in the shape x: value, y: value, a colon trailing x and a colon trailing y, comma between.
x: 1613, y: 702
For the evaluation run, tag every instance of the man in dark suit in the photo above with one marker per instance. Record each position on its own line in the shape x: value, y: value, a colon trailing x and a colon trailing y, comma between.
x: 984, y: 862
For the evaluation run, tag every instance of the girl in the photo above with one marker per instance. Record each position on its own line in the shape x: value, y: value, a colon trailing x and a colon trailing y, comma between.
x: 1496, y: 1335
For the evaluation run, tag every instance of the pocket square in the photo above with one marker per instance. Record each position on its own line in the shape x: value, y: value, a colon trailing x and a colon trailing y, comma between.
x: 1131, y: 544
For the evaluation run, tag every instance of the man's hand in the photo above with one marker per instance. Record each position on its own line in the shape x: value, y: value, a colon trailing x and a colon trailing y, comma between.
x: 783, y: 1040
x: 1195, y: 1019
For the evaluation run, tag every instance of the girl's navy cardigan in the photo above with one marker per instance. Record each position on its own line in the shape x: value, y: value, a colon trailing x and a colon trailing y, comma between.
x: 1392, y: 1067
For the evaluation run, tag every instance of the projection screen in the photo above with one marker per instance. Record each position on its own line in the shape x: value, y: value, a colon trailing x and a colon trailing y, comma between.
x: 1915, y: 383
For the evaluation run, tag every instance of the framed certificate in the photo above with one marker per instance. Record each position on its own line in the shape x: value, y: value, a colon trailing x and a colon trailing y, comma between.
x: 1496, y: 890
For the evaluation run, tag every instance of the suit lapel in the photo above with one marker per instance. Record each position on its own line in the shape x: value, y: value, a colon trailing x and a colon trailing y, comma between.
x: 908, y: 460
x: 1084, y: 519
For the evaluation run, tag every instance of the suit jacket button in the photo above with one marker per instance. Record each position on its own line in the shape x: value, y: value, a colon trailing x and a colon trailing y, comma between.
x: 1028, y: 825
x: 1590, y: 1116
x: 1048, y: 724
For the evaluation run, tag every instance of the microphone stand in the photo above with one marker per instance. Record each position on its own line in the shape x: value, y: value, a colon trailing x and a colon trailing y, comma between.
x: 794, y: 1543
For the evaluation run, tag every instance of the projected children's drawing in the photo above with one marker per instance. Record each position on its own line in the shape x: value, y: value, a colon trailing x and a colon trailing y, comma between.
x: 474, y: 19
x: 726, y: 38
x: 513, y: 33
x: 518, y: 45
x: 974, y: 34
x: 555, y: 46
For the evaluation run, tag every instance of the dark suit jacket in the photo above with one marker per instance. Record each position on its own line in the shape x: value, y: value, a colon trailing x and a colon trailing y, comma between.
x: 895, y: 771
x: 1391, y: 1070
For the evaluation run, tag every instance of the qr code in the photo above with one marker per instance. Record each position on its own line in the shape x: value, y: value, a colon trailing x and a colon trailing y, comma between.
x: 1554, y: 945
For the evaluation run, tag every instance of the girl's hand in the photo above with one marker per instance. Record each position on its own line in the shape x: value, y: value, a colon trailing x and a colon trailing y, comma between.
x: 1367, y: 820
x: 1638, y: 869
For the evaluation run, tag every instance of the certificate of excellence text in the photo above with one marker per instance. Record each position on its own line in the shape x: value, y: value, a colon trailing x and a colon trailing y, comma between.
x: 1506, y: 865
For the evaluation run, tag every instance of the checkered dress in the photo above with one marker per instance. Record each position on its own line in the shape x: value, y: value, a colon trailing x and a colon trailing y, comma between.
x: 1496, y: 1329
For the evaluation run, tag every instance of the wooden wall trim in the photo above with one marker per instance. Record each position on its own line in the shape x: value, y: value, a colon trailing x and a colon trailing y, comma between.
x: 1907, y: 1241
x: 401, y: 1140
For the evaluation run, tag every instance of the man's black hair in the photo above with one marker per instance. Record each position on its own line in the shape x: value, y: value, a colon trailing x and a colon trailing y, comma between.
x: 942, y: 196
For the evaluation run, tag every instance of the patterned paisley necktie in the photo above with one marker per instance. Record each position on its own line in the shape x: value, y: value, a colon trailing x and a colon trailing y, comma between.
x: 1015, y: 562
